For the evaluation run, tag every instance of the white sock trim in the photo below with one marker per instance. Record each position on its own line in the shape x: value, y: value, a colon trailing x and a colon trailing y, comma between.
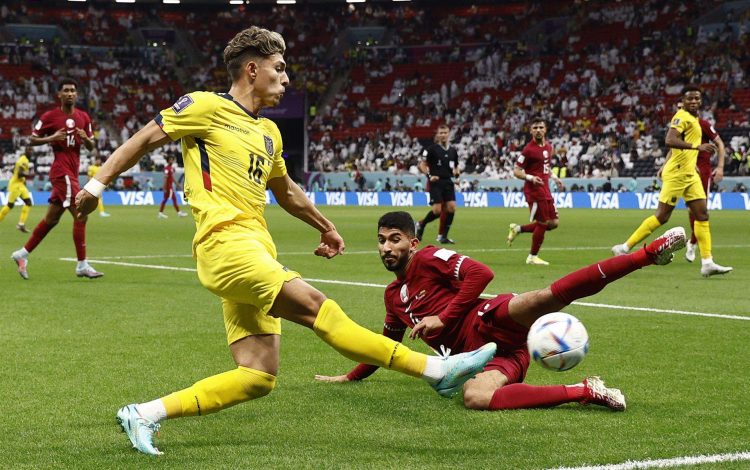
x: 434, y: 371
x: 153, y: 410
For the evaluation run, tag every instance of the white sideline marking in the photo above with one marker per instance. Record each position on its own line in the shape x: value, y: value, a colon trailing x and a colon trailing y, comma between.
x: 374, y: 252
x: 383, y: 286
x: 665, y: 463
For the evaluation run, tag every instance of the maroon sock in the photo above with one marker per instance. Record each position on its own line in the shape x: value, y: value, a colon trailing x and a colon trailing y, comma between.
x: 537, y: 238
x: 174, y: 202
x: 521, y: 395
x: 693, y: 240
x: 79, y: 239
x: 161, y: 208
x: 40, y: 231
x: 528, y: 227
x: 591, y: 279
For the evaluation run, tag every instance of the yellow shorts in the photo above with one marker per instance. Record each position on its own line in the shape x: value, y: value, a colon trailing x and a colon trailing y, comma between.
x: 16, y: 190
x: 687, y: 187
x: 238, y: 263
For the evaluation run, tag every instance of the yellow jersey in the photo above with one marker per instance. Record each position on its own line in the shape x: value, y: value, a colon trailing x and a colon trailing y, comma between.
x: 683, y: 161
x: 229, y: 155
x: 21, y: 166
x: 93, y: 170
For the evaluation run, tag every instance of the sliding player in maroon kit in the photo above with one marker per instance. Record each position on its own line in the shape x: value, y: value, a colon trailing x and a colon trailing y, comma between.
x: 533, y: 166
x: 169, y: 189
x: 65, y: 128
x: 704, y: 171
x: 436, y: 294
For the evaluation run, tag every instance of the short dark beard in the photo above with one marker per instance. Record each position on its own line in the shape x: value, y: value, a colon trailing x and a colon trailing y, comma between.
x: 400, y: 264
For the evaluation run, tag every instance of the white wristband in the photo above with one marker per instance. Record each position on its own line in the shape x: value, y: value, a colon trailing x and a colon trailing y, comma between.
x: 529, y: 178
x: 95, y: 187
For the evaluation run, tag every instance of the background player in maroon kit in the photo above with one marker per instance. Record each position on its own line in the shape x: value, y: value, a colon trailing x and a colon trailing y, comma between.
x: 436, y: 294
x: 533, y: 166
x: 65, y: 128
x: 169, y: 189
x: 704, y: 171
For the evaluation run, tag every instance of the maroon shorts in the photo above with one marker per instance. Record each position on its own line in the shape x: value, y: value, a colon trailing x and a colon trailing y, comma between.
x: 704, y: 171
x: 64, y: 190
x: 494, y: 325
x: 542, y: 210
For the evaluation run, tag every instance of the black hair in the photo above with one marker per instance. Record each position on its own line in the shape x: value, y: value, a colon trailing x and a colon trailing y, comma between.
x: 689, y: 88
x: 66, y: 81
x: 399, y: 220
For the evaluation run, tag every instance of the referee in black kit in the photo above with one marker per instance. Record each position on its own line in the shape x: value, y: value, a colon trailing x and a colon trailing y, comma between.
x: 440, y: 164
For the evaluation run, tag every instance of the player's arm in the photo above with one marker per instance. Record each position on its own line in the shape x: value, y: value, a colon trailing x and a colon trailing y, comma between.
x: 58, y: 135
x: 718, y: 173
x: 520, y: 173
x: 555, y: 178
x: 362, y: 371
x: 88, y: 142
x: 293, y: 200
x: 674, y: 140
x: 474, y: 277
x: 150, y: 137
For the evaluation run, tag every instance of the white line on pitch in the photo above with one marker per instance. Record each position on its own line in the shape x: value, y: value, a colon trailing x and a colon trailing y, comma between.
x: 374, y: 252
x: 665, y: 463
x: 382, y: 286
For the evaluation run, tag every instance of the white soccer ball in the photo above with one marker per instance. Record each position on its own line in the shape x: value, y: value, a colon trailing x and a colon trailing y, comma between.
x: 558, y: 341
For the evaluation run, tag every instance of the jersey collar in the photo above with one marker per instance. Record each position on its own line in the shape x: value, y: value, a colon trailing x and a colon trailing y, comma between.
x: 229, y: 97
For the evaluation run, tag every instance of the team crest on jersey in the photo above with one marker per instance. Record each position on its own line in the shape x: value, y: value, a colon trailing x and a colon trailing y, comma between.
x: 404, y: 294
x: 70, y: 124
x: 676, y: 122
x: 182, y: 103
x: 269, y: 145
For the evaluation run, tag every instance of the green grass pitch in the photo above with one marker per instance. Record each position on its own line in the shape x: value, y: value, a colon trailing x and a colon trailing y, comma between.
x: 75, y: 350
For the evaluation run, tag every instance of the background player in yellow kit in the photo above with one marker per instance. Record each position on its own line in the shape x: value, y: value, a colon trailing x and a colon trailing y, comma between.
x: 93, y: 170
x: 231, y: 156
x: 681, y: 180
x: 17, y: 188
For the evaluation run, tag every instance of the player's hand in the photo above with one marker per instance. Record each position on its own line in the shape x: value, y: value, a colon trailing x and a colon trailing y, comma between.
x: 60, y: 134
x: 85, y: 203
x: 331, y: 244
x: 658, y: 173
x: 536, y: 180
x: 707, y: 147
x: 332, y: 378
x: 426, y: 326
x: 560, y: 185
x: 82, y: 134
x: 434, y: 178
x: 717, y: 175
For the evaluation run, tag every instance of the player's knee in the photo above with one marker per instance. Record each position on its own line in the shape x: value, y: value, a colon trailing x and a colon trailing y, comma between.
x: 261, y: 388
x: 10, y: 205
x: 28, y: 202
x: 552, y: 224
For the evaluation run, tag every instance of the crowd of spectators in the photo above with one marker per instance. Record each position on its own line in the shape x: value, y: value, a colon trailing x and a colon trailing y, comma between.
x: 483, y: 70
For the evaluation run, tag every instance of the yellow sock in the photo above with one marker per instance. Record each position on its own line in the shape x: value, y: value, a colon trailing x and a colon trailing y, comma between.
x: 24, y: 214
x: 703, y: 234
x: 3, y: 212
x: 643, y: 231
x: 101, y: 205
x: 362, y: 345
x: 220, y: 391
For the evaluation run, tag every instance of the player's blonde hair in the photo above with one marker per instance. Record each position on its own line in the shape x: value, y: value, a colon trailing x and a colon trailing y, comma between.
x: 253, y: 42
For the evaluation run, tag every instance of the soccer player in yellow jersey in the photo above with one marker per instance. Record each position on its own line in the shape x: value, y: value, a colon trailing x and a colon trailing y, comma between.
x: 231, y: 156
x: 681, y: 180
x: 93, y: 170
x: 17, y: 188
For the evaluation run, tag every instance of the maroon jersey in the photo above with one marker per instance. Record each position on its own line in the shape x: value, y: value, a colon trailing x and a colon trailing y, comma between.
x: 168, y: 177
x: 431, y: 287
x: 535, y: 160
x: 67, y: 152
x: 709, y: 135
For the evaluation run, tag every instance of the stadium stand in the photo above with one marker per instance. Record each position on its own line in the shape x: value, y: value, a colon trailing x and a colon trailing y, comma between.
x: 379, y: 78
